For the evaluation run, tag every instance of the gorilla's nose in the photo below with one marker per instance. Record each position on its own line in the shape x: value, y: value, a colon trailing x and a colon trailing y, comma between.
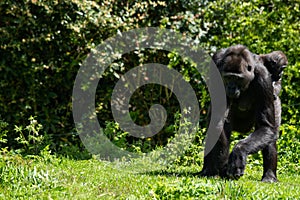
x: 233, y: 93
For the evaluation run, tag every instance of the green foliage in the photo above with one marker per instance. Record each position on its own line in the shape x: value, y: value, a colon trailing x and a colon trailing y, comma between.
x: 50, y: 177
x: 18, y: 174
x: 43, y: 44
x: 3, y: 131
x: 288, y: 144
x: 30, y: 138
x: 189, y: 188
x: 124, y: 141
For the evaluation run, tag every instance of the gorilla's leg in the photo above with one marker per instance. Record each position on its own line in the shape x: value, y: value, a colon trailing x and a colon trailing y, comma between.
x: 270, y: 163
x: 215, y: 161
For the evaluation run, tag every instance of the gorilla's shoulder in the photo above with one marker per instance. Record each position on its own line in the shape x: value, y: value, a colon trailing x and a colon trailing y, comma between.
x: 262, y: 72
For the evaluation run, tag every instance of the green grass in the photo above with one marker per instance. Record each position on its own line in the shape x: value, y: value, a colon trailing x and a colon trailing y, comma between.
x: 50, y: 177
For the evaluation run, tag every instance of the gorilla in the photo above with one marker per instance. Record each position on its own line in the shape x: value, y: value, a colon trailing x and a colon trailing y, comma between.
x: 275, y: 62
x: 252, y: 84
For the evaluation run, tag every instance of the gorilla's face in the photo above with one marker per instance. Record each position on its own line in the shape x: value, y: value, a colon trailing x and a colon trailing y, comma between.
x: 237, y: 70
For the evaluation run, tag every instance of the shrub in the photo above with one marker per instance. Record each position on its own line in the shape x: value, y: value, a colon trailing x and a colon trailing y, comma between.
x: 43, y: 44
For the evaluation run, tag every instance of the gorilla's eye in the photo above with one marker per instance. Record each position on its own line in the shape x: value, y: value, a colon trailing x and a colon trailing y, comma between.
x: 249, y: 68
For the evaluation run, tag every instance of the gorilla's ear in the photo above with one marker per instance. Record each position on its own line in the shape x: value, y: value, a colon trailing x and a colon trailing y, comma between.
x: 218, y: 57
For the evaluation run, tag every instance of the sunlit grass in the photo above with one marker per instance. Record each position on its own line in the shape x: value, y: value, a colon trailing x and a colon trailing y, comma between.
x: 49, y: 177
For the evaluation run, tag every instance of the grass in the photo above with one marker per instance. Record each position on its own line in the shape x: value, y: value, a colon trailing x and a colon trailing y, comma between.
x: 51, y: 177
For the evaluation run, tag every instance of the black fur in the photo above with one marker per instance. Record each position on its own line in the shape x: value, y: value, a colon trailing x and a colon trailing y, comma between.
x: 248, y: 80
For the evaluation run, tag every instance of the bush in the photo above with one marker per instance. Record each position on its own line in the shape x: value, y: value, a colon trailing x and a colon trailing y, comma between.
x: 43, y: 44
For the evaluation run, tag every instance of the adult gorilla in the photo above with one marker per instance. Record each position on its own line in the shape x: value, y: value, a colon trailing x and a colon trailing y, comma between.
x: 250, y: 104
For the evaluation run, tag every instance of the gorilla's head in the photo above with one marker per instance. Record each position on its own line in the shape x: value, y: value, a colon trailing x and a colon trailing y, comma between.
x: 236, y: 65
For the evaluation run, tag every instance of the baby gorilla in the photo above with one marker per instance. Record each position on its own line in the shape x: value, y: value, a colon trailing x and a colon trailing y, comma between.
x: 275, y: 62
x: 248, y: 81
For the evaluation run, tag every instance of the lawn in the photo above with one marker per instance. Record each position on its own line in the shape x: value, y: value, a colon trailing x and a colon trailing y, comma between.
x: 52, y: 177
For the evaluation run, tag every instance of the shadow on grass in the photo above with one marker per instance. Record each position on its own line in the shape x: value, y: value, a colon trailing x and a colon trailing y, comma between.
x: 170, y: 173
